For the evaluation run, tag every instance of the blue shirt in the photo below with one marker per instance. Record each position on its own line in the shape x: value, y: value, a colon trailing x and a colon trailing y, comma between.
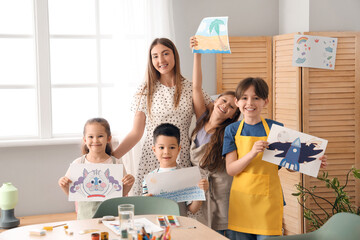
x: 256, y: 130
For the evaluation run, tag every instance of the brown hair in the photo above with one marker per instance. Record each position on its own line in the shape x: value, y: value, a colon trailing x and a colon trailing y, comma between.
x: 152, y: 75
x: 103, y: 122
x: 213, y: 159
x: 261, y: 87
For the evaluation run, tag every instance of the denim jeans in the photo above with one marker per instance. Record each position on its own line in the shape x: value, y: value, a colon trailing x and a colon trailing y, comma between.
x: 224, y: 232
x: 233, y: 235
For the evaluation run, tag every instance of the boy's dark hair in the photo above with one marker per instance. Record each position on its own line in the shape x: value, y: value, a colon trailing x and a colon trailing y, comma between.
x: 167, y: 129
x: 261, y: 87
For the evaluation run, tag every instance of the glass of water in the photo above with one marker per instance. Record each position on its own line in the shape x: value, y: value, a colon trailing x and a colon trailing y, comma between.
x: 126, y: 216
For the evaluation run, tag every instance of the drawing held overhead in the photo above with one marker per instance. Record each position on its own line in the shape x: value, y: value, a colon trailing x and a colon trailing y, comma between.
x: 212, y: 36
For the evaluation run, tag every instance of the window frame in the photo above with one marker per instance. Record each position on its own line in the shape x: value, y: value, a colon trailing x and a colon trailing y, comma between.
x: 43, y: 87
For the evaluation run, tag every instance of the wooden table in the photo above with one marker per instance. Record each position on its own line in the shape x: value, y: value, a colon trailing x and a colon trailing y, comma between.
x: 200, y: 232
x: 37, y: 219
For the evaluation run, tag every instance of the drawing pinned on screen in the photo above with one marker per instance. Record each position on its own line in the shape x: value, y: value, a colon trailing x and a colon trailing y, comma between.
x: 314, y: 51
x: 212, y: 36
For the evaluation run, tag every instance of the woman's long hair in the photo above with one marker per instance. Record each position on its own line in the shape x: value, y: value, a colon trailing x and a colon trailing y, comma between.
x: 213, y: 159
x: 152, y: 75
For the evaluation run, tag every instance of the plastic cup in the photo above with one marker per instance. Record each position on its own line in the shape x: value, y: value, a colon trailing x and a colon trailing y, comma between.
x: 126, y: 216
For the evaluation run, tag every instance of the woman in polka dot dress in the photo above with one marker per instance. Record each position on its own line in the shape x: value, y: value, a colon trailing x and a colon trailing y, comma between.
x: 165, y: 97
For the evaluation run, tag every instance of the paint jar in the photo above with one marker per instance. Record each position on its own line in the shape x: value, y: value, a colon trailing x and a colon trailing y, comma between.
x: 136, y: 231
x: 124, y: 234
x: 104, y: 236
x: 95, y: 236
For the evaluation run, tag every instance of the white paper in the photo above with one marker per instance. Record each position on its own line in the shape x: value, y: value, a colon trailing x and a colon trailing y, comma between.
x: 179, y: 185
x: 295, y: 150
x: 314, y: 51
x: 95, y: 182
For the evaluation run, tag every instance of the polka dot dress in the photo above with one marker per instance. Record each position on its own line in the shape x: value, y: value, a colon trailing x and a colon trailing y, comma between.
x: 163, y: 111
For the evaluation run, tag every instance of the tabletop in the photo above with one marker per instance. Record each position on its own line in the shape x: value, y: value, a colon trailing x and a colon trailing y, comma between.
x: 189, y: 229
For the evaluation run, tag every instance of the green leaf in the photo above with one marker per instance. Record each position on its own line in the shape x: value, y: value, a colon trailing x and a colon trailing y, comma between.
x: 335, y: 183
x: 356, y: 173
x: 216, y: 25
x: 341, y: 203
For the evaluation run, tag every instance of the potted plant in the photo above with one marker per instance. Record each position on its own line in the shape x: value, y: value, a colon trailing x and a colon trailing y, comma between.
x: 341, y: 204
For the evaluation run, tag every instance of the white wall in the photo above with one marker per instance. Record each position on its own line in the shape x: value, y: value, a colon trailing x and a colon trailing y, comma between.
x: 318, y: 15
x: 246, y: 18
x: 335, y: 15
x: 34, y: 171
x: 293, y: 16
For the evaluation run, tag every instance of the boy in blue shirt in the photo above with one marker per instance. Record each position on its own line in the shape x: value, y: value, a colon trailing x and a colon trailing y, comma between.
x: 166, y: 148
x: 256, y: 200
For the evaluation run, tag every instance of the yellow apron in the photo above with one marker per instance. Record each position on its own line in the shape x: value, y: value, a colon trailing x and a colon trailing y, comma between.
x: 256, y: 202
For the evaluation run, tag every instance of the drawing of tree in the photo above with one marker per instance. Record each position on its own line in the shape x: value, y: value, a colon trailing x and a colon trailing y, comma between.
x: 215, y: 25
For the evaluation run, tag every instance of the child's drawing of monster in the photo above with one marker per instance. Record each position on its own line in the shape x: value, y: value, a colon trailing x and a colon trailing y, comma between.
x: 95, y: 184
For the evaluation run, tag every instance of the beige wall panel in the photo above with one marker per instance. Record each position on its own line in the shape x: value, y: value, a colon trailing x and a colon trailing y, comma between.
x: 250, y: 57
x: 331, y: 111
x: 287, y: 109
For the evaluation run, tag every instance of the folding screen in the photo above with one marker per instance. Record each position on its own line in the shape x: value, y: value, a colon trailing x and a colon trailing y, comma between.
x: 323, y: 103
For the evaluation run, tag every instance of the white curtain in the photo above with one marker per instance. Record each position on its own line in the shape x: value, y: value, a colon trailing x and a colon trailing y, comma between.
x: 159, y: 19
x: 136, y: 24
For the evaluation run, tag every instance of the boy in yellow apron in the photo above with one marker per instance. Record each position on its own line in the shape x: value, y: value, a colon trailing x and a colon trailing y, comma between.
x: 256, y: 201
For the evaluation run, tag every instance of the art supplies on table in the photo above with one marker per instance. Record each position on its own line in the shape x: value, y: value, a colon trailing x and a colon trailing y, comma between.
x: 149, y: 226
x: 88, y: 231
x: 106, y: 218
x: 167, y: 235
x: 104, y: 235
x: 162, y: 221
x: 169, y: 220
x: 68, y: 232
x: 95, y: 236
x: 50, y: 228
x: 37, y: 232
x: 172, y: 221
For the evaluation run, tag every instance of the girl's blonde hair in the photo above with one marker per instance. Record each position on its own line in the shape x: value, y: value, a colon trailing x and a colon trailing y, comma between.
x: 152, y: 75
x: 103, y: 122
x: 212, y: 158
